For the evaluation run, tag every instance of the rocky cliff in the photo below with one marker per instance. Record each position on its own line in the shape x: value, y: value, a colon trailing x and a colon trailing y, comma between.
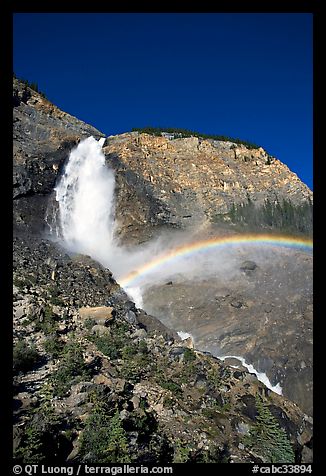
x: 186, y: 182
x: 43, y: 136
x: 95, y: 378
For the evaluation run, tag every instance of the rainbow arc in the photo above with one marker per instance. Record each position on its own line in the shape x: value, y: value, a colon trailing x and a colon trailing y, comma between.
x: 193, y: 248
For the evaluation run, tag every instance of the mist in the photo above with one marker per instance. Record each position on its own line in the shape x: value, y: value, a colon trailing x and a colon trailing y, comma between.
x: 86, y: 224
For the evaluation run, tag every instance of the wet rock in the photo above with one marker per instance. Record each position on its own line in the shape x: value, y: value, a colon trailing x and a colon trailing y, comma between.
x: 234, y: 362
x: 177, y: 353
x: 154, y: 325
x: 130, y: 317
x: 237, y: 304
x: 248, y: 266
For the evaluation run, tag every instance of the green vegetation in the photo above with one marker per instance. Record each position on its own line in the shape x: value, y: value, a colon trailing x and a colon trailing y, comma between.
x: 31, y: 451
x: 47, y: 323
x: 72, y: 368
x: 31, y: 85
x: 23, y: 281
x: 108, y: 347
x: 111, y: 345
x: 267, y: 438
x: 25, y: 356
x: 181, y: 452
x: 181, y: 133
x: 172, y: 386
x: 274, y: 215
x: 136, y: 361
x: 189, y: 356
x: 214, y: 378
x: 54, y: 296
x: 119, y: 345
x: 46, y: 408
x: 104, y: 440
x: 216, y: 410
x: 53, y: 346
x: 89, y: 323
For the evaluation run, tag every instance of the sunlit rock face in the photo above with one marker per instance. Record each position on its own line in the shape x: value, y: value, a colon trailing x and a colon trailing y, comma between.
x: 190, y: 181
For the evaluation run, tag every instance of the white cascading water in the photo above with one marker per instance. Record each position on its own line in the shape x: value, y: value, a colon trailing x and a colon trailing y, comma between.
x: 85, y: 193
x: 261, y: 376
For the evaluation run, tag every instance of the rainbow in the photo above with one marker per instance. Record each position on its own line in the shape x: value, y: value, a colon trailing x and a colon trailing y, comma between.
x: 189, y: 249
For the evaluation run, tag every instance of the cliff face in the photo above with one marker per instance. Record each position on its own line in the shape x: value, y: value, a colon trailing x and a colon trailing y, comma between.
x: 84, y: 356
x: 192, y: 180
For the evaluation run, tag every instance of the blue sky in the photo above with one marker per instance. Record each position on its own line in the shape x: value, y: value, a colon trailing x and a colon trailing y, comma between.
x: 242, y: 75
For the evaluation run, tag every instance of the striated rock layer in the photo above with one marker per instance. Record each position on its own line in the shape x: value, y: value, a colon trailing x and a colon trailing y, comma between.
x: 188, y: 181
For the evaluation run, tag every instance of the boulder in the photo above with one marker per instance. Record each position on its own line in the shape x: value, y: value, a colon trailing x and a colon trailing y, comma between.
x: 248, y: 266
x: 130, y: 317
x: 102, y: 315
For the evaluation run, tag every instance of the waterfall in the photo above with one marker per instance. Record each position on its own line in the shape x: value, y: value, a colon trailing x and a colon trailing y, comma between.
x: 85, y: 193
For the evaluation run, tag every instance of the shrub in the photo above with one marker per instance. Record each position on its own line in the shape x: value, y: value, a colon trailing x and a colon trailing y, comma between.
x: 72, y: 368
x: 48, y: 323
x: 53, y: 346
x: 144, y: 423
x: 104, y: 440
x: 107, y: 346
x: 173, y: 387
x: 135, y: 365
x: 181, y: 452
x: 112, y: 345
x: 24, y: 356
x: 189, y: 356
x: 31, y: 451
x: 89, y: 323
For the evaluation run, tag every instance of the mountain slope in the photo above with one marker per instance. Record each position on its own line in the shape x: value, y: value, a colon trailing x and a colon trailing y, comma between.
x: 85, y: 356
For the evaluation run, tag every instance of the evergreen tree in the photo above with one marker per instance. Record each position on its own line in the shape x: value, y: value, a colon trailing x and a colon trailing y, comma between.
x: 268, y: 439
x: 284, y: 216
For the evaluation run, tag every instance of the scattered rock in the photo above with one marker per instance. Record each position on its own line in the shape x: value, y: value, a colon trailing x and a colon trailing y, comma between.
x: 100, y: 330
x: 237, y: 304
x: 140, y: 334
